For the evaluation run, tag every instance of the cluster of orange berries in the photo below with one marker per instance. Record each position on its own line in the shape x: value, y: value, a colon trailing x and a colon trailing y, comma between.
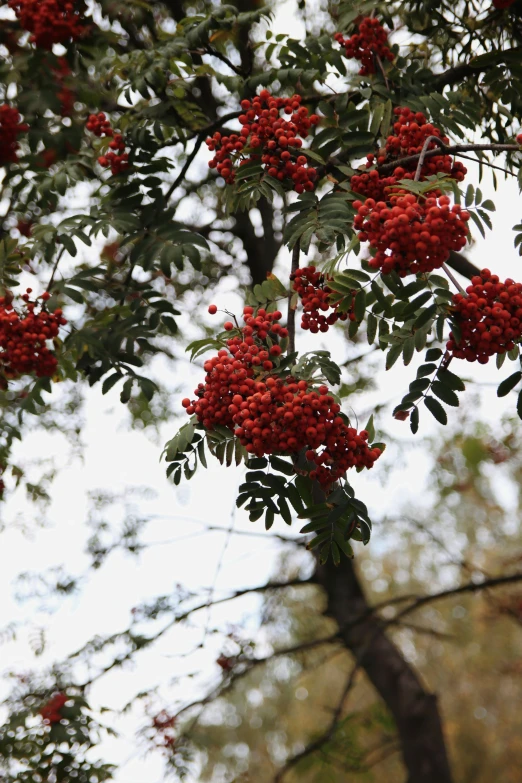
x: 49, y: 21
x: 411, y: 130
x: 411, y: 235
x: 370, y: 43
x: 50, y: 712
x: 268, y: 137
x: 116, y: 158
x: 313, y: 290
x: 23, y: 337
x: 274, y: 415
x: 489, y: 318
x: 10, y: 129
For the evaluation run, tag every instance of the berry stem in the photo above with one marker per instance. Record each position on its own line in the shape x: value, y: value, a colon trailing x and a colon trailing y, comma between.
x: 454, y: 280
x: 422, y: 155
x: 291, y: 311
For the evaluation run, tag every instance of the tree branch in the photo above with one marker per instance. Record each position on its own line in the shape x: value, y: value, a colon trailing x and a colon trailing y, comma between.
x: 454, y: 149
x: 454, y: 75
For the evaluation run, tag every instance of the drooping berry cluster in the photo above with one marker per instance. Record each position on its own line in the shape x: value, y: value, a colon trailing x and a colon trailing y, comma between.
x: 411, y: 130
x: 368, y: 44
x: 10, y: 129
x: 489, y: 318
x: 313, y: 290
x: 411, y: 234
x: 50, y: 712
x: 270, y: 138
x: 276, y: 415
x: 24, y: 336
x: 117, y: 159
x: 50, y: 21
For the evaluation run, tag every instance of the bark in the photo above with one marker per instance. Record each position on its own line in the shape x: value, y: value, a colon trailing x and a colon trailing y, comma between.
x: 414, y: 709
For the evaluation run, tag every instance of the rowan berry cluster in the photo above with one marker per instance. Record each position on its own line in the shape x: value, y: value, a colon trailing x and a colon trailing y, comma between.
x: 270, y: 138
x: 367, y: 45
x: 271, y: 414
x: 49, y: 21
x: 50, y: 712
x: 411, y: 132
x: 10, y: 129
x: 23, y: 338
x: 489, y: 318
x: 313, y: 290
x: 117, y: 159
x: 411, y: 235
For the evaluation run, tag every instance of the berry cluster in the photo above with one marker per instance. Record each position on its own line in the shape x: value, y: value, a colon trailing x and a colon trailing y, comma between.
x: 314, y: 293
x: 49, y: 21
x: 411, y: 131
x: 489, y: 318
x: 50, y: 712
x: 10, y: 128
x: 116, y: 158
x: 271, y: 414
x: 370, y: 43
x: 268, y: 137
x: 23, y: 338
x: 410, y: 235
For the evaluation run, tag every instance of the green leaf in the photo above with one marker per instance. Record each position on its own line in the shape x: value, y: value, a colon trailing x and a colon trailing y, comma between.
x: 392, y: 355
x: 110, y: 381
x: 451, y: 380
x: 508, y: 384
x: 269, y: 518
x: 282, y: 465
x: 414, y: 420
x: 446, y: 394
x: 436, y: 409
x: 371, y: 328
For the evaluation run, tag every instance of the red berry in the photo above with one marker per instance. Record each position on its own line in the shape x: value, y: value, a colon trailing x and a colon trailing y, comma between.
x: 212, y: 309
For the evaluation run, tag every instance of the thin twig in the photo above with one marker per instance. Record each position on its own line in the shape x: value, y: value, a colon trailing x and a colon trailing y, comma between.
x: 214, y: 53
x: 453, y: 279
x: 55, y: 268
x: 423, y: 153
x: 291, y: 310
x: 200, y: 138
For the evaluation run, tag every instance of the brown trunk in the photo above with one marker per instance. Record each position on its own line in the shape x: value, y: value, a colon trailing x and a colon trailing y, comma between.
x: 414, y: 710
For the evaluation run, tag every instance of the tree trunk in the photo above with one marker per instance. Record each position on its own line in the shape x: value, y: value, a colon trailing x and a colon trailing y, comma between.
x: 414, y: 709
